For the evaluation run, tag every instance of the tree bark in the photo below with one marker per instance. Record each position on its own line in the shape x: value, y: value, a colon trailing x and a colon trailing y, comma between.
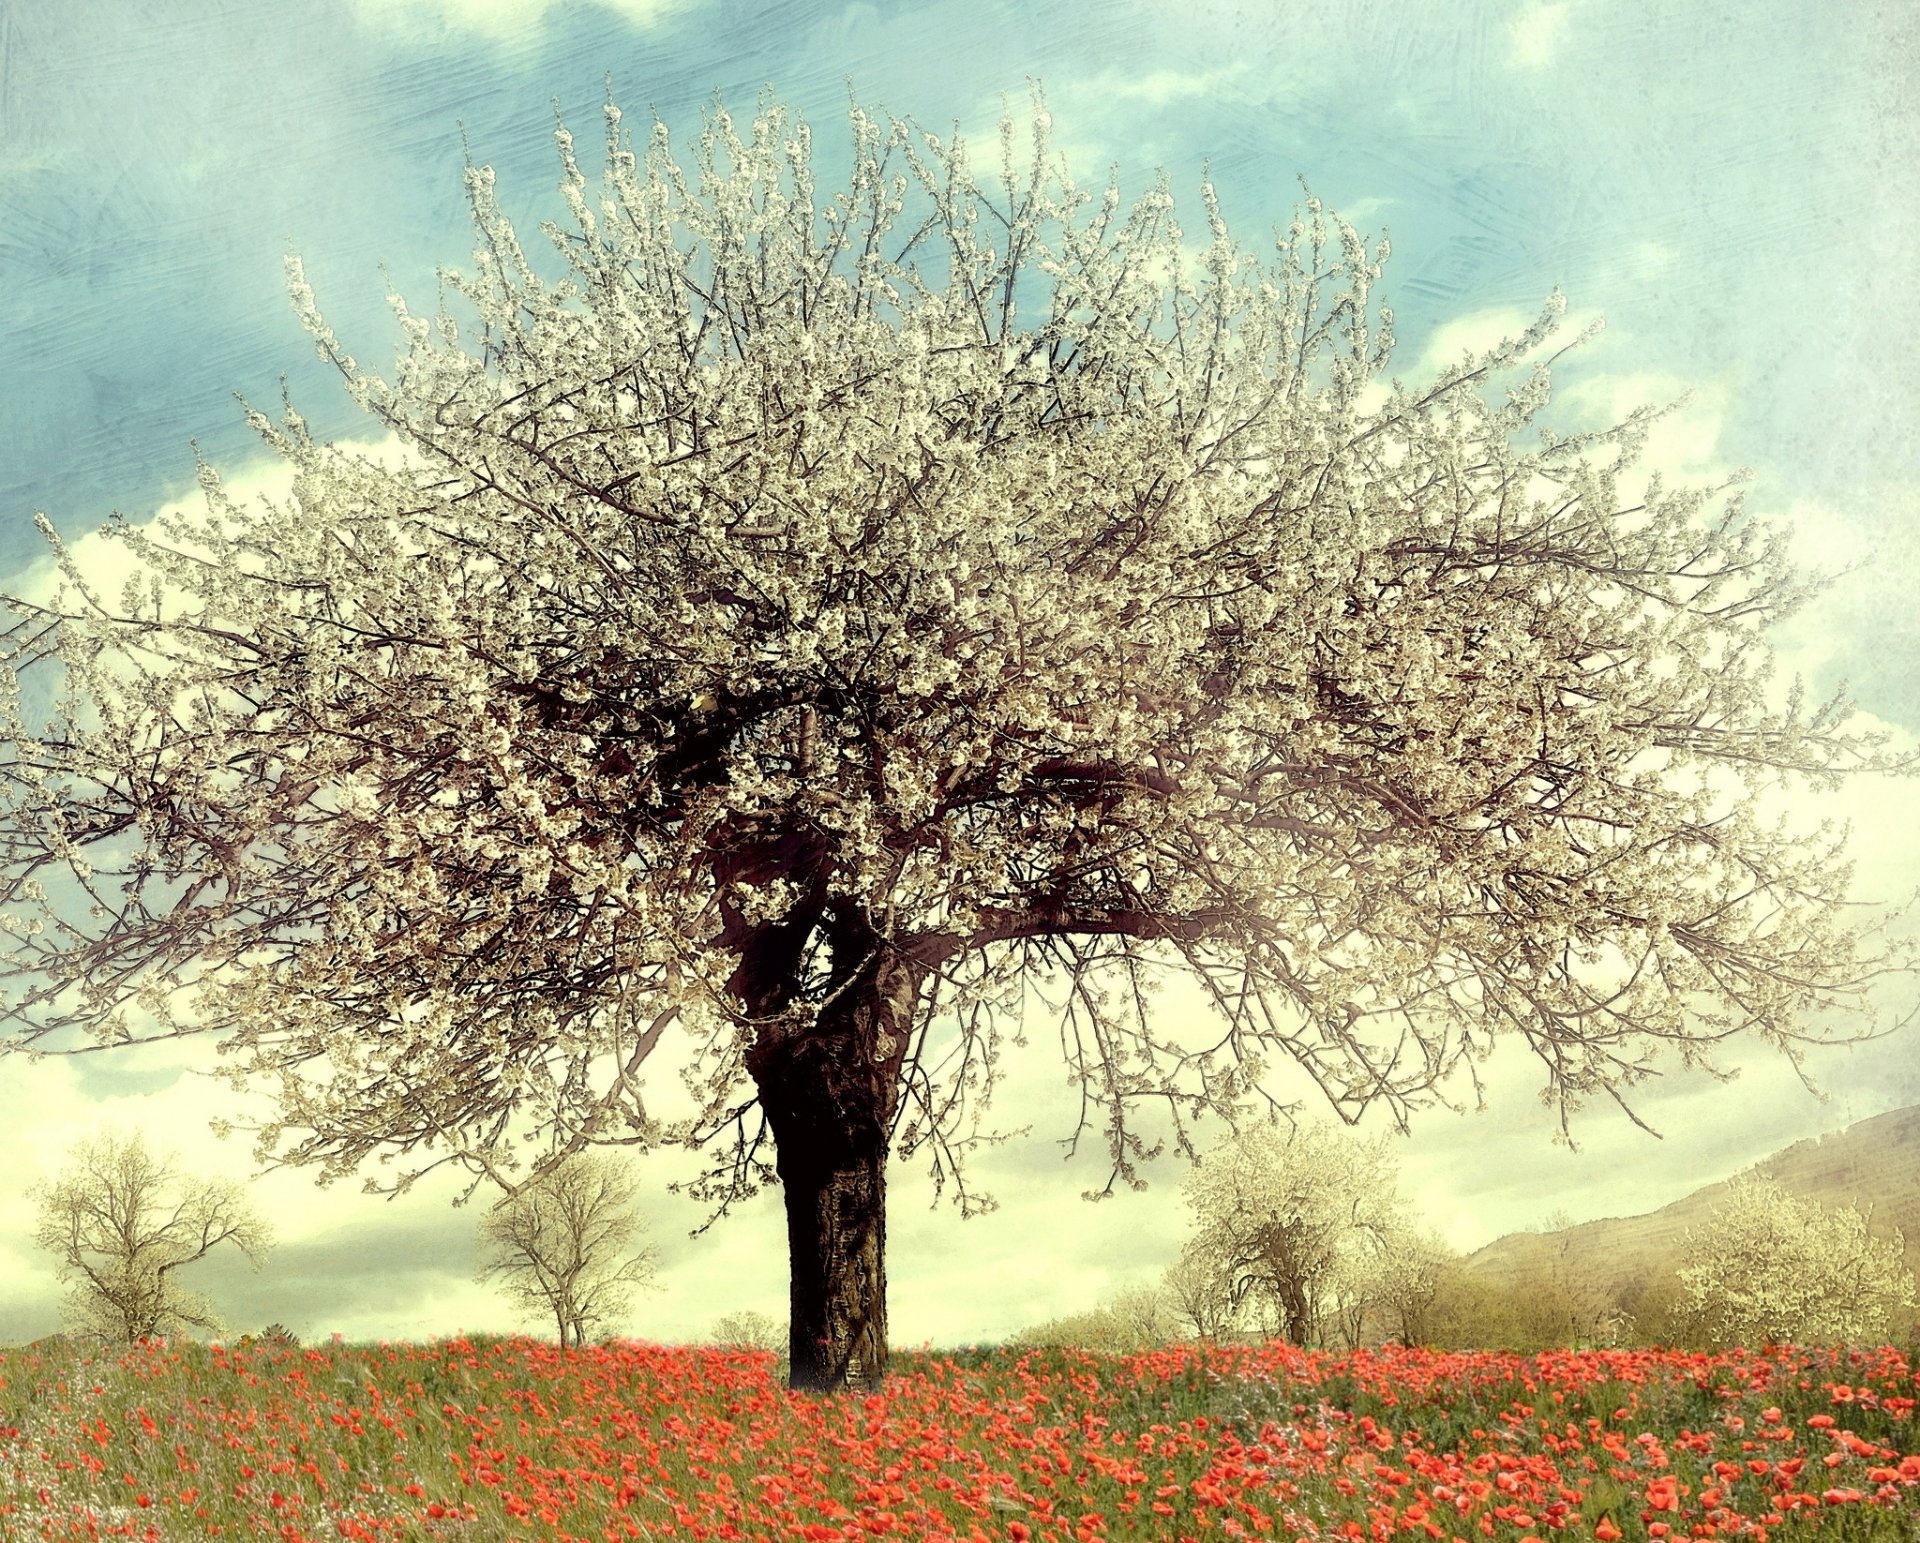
x: 836, y: 1242
x: 829, y: 1094
x: 1298, y: 1312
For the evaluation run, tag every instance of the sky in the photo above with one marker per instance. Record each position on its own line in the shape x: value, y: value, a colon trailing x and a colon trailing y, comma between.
x: 1726, y: 185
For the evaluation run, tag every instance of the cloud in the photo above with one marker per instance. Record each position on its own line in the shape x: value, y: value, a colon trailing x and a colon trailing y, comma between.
x: 1157, y: 88
x: 1683, y: 445
x: 106, y: 563
x: 1481, y: 331
x: 1135, y: 120
x: 1862, y: 630
x: 495, y: 20
x: 1534, y: 33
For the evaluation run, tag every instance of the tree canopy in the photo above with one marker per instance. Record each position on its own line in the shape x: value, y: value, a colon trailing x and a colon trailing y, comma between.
x: 798, y: 621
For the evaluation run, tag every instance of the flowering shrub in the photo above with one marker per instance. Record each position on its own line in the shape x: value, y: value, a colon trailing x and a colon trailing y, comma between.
x: 471, y: 1438
x: 1772, y: 1265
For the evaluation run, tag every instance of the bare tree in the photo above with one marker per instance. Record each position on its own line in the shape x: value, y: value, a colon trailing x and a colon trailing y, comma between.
x: 1350, y: 1299
x: 121, y: 1223
x: 561, y: 1246
x: 749, y: 1330
x: 815, y: 617
x: 1144, y: 1312
x: 1564, y: 1301
x: 1134, y: 1318
x: 1411, y: 1272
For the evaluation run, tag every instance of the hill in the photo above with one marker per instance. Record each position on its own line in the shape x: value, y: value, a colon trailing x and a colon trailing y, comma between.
x: 1874, y: 1164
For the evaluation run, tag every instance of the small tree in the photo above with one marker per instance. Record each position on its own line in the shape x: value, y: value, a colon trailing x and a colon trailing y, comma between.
x: 1468, y: 1312
x: 560, y: 1246
x: 750, y: 1330
x: 1200, y: 1291
x: 1563, y: 1302
x: 1134, y: 1318
x: 1411, y: 1273
x: 122, y: 1223
x: 1278, y: 1211
x: 1654, y: 1302
x: 1774, y: 1267
x: 1145, y: 1313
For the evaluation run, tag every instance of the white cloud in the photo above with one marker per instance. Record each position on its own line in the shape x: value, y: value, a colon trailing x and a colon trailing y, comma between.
x: 106, y: 563
x: 1158, y: 88
x: 1479, y: 332
x: 1646, y: 258
x: 1132, y: 120
x: 1362, y: 211
x: 1683, y: 444
x: 1863, y: 626
x: 1534, y: 33
x: 496, y: 20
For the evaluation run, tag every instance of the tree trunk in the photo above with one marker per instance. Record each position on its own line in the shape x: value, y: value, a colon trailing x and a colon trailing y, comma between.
x: 1298, y: 1313
x: 829, y: 1094
x: 836, y: 1244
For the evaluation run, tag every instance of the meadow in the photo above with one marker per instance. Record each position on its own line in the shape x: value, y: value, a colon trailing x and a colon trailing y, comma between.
x: 486, y: 1439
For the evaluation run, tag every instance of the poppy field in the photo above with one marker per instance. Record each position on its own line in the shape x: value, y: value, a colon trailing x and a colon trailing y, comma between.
x: 485, y: 1439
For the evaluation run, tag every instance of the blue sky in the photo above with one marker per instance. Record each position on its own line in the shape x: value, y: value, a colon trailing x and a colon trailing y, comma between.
x: 1726, y: 184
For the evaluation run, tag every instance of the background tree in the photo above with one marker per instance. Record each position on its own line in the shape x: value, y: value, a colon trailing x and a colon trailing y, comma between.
x: 561, y: 1245
x: 1468, y: 1312
x: 1774, y: 1267
x: 121, y: 1223
x: 1350, y: 1302
x: 750, y: 1330
x: 1413, y: 1272
x: 1569, y: 1304
x: 1652, y: 1301
x: 1144, y: 1313
x: 1132, y: 1319
x: 1199, y: 1291
x: 1288, y: 1214
x: 797, y: 620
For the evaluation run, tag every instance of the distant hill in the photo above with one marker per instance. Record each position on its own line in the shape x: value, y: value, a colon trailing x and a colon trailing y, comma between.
x: 1875, y: 1163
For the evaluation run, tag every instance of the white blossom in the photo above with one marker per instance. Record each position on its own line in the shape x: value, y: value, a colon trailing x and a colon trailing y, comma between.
x: 1773, y: 1267
x: 923, y: 586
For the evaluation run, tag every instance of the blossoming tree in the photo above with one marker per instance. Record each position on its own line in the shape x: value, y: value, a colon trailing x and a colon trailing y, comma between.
x: 794, y: 619
x: 1295, y: 1215
x: 1771, y: 1267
